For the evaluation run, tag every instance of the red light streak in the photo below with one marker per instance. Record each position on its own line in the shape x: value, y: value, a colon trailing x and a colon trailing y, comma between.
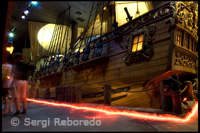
x: 132, y: 114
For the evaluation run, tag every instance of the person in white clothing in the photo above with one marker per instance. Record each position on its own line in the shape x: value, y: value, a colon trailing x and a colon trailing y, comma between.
x: 6, y: 85
x: 20, y: 76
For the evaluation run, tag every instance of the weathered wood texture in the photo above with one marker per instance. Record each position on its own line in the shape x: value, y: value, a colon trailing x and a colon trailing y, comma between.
x: 117, y: 74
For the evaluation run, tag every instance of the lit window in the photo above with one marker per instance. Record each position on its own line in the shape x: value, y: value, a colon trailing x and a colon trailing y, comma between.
x: 137, y: 43
x: 186, y: 41
x: 179, y: 37
x: 194, y: 46
x: 190, y: 44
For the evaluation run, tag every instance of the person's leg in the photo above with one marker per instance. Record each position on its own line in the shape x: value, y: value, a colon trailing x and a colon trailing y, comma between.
x: 24, y: 95
x: 11, y: 105
x: 17, y: 104
x: 24, y: 102
x: 5, y: 110
x: 5, y: 100
x: 16, y: 97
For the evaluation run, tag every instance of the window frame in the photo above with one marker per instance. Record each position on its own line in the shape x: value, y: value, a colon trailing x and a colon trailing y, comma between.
x: 179, y: 37
x: 132, y: 39
x: 138, y: 36
x: 188, y: 41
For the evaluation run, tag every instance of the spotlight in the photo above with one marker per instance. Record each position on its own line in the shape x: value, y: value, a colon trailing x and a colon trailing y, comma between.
x: 23, y: 16
x: 26, y: 12
x: 34, y: 2
x: 11, y: 35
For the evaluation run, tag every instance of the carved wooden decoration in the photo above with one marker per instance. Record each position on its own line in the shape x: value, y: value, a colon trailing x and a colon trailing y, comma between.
x: 147, y: 50
x: 187, y: 16
x: 182, y: 59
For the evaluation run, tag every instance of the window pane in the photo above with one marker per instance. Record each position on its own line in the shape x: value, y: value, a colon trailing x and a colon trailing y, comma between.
x: 191, y: 45
x: 135, y: 40
x: 179, y: 32
x: 141, y: 38
x: 139, y: 47
x: 194, y: 48
x: 134, y: 47
x: 180, y: 43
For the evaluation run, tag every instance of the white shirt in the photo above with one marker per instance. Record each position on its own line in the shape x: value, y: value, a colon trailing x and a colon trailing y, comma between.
x: 9, y: 79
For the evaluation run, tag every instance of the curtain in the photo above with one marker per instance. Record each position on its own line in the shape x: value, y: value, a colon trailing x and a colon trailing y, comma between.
x: 40, y: 48
x: 26, y: 55
x: 132, y: 8
x: 37, y: 50
x: 97, y: 25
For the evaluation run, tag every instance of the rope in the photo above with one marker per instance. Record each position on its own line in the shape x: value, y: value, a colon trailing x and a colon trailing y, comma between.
x: 54, y: 40
x: 101, y: 23
x: 136, y: 91
x: 61, y: 36
x: 86, y: 28
x: 97, y: 10
x: 175, y: 80
x: 67, y: 31
x: 194, y: 84
x: 184, y: 89
x: 50, y: 46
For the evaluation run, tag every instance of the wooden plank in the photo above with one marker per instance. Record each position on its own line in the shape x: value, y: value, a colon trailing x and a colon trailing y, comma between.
x: 160, y: 49
x: 165, y: 41
x: 161, y: 30
x: 107, y: 94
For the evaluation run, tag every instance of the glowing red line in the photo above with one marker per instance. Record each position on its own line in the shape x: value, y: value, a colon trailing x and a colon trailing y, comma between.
x: 134, y: 114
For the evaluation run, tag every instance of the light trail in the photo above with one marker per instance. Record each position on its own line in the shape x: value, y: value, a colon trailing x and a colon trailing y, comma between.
x: 132, y: 114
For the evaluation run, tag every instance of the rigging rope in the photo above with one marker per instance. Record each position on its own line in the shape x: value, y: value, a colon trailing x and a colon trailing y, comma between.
x: 97, y: 10
x: 86, y: 28
x: 184, y: 89
x: 101, y: 23
x: 51, y: 44
x: 67, y: 31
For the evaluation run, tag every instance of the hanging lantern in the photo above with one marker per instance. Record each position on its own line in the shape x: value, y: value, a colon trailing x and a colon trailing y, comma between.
x: 10, y: 47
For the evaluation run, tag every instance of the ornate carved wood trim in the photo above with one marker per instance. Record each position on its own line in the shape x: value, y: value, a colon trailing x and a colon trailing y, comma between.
x: 185, y: 58
x: 185, y: 16
x: 147, y: 50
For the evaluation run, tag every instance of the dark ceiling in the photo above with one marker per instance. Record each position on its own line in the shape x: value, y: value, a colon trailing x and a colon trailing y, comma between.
x: 48, y: 11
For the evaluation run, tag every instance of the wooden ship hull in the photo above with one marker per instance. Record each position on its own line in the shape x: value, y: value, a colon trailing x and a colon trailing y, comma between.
x: 116, y: 64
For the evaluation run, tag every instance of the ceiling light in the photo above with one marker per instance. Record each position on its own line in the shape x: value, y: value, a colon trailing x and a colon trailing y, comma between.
x: 26, y: 12
x: 34, y: 2
x: 23, y: 16
x: 11, y: 35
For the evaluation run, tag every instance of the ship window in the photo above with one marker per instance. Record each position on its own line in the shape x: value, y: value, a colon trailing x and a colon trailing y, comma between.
x: 179, y: 37
x: 190, y: 44
x: 186, y: 41
x: 194, y: 46
x: 137, y: 43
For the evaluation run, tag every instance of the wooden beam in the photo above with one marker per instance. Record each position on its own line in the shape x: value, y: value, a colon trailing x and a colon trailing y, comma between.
x: 107, y: 95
